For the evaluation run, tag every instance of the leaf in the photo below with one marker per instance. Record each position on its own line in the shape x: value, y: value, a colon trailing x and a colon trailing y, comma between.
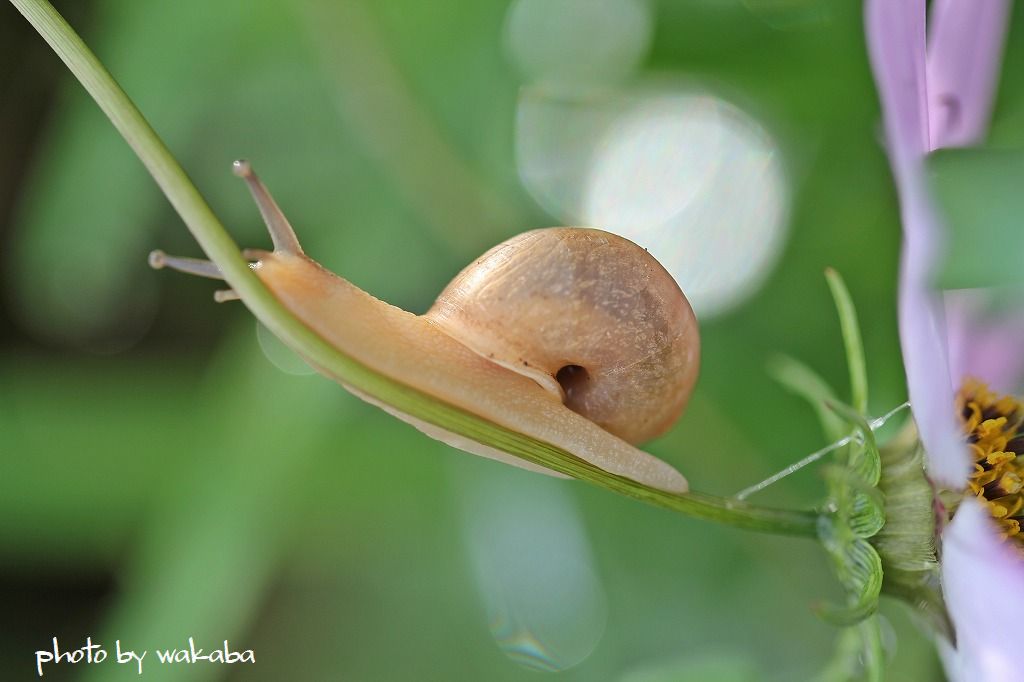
x: 979, y: 193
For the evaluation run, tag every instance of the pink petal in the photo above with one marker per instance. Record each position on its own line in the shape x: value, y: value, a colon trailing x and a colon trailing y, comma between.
x: 985, y: 346
x: 965, y: 50
x: 923, y: 339
x: 983, y: 580
x: 896, y: 47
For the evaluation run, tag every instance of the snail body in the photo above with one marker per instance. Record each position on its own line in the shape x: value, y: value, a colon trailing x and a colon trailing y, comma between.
x: 575, y: 337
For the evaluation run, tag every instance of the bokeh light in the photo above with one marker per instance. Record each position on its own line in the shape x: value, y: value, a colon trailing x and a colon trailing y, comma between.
x: 280, y: 355
x: 533, y: 568
x: 681, y: 172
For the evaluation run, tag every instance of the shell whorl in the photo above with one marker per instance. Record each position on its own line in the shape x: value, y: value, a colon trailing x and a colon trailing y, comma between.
x: 590, y: 316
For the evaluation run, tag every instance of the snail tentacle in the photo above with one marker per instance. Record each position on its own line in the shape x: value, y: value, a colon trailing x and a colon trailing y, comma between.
x: 281, y: 232
x: 191, y: 266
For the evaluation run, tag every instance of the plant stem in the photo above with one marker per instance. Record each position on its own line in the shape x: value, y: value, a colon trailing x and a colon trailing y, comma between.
x: 851, y: 340
x: 223, y: 251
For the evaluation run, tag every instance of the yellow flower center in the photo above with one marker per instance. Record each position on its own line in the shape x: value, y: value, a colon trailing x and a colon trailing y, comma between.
x: 994, y: 427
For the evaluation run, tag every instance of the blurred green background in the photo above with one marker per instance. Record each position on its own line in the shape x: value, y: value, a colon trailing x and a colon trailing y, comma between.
x: 167, y: 470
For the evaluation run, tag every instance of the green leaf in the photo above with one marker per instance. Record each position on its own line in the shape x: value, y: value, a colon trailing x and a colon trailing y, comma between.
x: 979, y: 193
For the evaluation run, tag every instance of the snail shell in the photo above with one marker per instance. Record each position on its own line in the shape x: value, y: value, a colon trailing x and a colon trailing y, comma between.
x: 590, y: 316
x: 575, y: 337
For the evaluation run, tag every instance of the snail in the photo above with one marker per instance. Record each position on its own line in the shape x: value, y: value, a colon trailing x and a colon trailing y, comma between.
x: 573, y: 336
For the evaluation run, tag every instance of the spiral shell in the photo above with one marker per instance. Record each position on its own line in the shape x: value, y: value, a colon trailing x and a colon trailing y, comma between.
x: 590, y: 316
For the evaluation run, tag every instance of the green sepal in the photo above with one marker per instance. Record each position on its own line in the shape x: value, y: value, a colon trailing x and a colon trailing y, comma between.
x: 865, y: 460
x: 856, y: 498
x: 858, y: 507
x: 866, y: 512
x: 856, y: 563
x: 906, y: 543
x: 860, y: 568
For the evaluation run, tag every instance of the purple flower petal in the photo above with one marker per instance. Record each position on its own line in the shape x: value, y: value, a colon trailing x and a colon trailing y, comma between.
x: 965, y: 50
x: 983, y: 580
x: 923, y: 339
x: 978, y: 568
x: 896, y: 46
x: 984, y: 346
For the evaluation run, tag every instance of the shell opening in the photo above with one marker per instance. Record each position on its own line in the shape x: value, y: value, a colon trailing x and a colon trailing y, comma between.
x: 573, y: 379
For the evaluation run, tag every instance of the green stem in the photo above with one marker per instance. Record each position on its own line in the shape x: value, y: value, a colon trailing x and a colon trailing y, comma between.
x: 223, y: 251
x: 873, y: 652
x: 851, y: 340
